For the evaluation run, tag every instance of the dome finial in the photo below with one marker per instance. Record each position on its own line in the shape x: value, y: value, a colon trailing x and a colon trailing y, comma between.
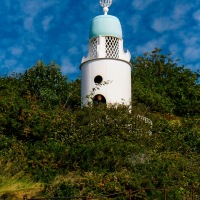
x: 105, y: 4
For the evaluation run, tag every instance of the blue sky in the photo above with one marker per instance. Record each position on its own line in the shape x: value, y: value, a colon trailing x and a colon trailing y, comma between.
x: 32, y: 30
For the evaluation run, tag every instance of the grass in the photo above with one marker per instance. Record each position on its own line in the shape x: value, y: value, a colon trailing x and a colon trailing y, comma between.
x: 14, y: 188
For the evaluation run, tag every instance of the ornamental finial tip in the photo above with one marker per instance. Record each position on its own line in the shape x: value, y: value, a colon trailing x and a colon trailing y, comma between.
x: 105, y: 4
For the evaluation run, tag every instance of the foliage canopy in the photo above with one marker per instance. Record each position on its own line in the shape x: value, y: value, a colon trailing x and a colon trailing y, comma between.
x: 46, y: 136
x: 163, y: 86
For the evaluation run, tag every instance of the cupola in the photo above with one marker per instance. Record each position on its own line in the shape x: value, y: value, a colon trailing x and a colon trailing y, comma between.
x: 101, y: 26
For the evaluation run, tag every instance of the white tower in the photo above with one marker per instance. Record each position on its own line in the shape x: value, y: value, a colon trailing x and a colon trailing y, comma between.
x: 106, y: 71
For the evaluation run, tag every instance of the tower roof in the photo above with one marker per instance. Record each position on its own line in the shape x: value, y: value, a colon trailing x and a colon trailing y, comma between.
x: 105, y: 25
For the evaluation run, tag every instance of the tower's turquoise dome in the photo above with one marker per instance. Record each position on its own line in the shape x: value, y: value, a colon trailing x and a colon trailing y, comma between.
x: 105, y: 25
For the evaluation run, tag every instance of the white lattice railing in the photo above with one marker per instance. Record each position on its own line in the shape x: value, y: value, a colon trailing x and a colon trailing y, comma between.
x: 106, y: 47
x: 93, y: 47
x: 141, y: 120
x: 111, y: 47
x: 145, y: 120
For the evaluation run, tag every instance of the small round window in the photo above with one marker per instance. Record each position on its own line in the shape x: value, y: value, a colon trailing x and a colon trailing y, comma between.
x: 98, y: 79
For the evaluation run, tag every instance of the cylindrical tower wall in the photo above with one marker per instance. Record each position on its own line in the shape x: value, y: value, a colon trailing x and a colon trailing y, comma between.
x: 116, y: 81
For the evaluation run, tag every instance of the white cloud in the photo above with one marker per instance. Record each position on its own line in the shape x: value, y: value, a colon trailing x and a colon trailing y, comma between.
x: 34, y: 7
x: 31, y: 8
x: 67, y: 67
x: 28, y: 24
x: 151, y: 45
x: 20, y: 69
x: 46, y: 22
x: 174, y: 20
x: 31, y: 47
x: 84, y: 48
x: 191, y: 44
x: 16, y: 50
x: 193, y: 67
x: 165, y: 24
x: 72, y: 37
x: 192, y: 53
x: 196, y: 15
x: 180, y: 11
x: 12, y: 65
x: 9, y: 64
x: 176, y: 51
x: 90, y: 7
x: 191, y: 40
x: 141, y: 4
x: 174, y: 48
x: 2, y: 55
x: 73, y: 50
x: 134, y: 22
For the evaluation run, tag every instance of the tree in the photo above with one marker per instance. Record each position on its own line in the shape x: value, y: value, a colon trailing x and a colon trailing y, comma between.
x: 159, y: 83
x: 98, y: 150
x: 46, y: 84
x: 74, y: 92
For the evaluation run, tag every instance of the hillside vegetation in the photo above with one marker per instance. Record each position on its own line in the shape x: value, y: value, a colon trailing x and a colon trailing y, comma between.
x: 49, y: 147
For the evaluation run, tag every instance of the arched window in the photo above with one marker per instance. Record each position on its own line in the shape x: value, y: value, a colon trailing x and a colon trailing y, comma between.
x: 99, y: 100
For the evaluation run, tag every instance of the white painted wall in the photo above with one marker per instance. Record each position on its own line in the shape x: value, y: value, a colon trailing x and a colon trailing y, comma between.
x: 116, y: 72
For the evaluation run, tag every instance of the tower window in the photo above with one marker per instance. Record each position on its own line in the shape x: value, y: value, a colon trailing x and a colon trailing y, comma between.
x: 93, y: 47
x: 98, y: 79
x: 112, y: 47
x: 99, y: 100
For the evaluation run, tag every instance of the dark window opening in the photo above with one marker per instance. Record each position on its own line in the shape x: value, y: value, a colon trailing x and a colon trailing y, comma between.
x: 98, y: 79
x: 99, y: 100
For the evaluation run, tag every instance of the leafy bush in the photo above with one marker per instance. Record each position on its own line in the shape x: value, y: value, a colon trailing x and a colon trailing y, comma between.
x: 159, y: 83
x: 46, y: 84
x: 45, y: 135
